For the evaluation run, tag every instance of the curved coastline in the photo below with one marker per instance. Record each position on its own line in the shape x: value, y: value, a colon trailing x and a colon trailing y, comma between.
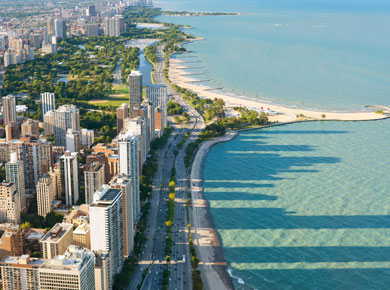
x: 213, y: 266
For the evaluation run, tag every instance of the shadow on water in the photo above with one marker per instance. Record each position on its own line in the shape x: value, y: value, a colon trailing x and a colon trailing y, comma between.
x: 324, y: 279
x: 309, y: 254
x: 264, y: 164
x: 277, y: 218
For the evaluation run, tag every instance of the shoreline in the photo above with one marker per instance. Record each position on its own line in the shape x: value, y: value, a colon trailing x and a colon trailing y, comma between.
x: 180, y: 77
x: 213, y: 266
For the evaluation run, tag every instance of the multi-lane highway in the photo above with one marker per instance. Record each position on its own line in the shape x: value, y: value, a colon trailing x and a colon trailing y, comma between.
x: 152, y: 262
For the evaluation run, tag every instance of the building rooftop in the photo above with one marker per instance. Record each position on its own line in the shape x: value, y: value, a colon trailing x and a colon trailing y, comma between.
x: 110, y: 195
x: 57, y: 232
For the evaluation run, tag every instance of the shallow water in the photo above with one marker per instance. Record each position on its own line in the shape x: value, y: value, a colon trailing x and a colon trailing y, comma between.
x: 312, y: 54
x: 304, y: 206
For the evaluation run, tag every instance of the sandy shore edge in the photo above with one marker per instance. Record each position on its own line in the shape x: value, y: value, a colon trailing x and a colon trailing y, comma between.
x: 212, y: 264
x: 179, y: 76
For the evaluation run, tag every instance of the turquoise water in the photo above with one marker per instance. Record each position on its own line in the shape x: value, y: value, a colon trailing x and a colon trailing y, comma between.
x: 315, y: 54
x: 304, y: 206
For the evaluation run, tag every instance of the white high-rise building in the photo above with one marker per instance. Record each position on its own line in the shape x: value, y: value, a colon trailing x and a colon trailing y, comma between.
x: 47, y: 103
x: 73, y: 142
x: 87, y: 137
x: 14, y: 171
x: 70, y: 177
x: 74, y: 270
x: 139, y: 127
x: 159, y: 97
x: 105, y: 216
x: 65, y: 117
x: 9, y: 203
x: 124, y: 183
x: 135, y: 90
x: 129, y: 165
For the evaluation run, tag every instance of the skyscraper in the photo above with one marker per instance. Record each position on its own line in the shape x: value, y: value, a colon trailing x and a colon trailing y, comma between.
x: 124, y: 183
x: 94, y: 177
x: 59, y: 28
x: 14, y: 171
x: 73, y: 142
x: 70, y: 177
x: 47, y: 103
x: 140, y: 128
x: 48, y: 120
x: 87, y: 137
x: 9, y: 109
x: 122, y: 113
x: 129, y: 164
x: 65, y: 117
x: 158, y: 95
x: 45, y: 195
x: 105, y: 216
x: 50, y: 26
x: 135, y: 89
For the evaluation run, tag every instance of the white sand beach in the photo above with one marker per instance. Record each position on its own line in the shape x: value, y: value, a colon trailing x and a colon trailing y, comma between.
x: 178, y: 76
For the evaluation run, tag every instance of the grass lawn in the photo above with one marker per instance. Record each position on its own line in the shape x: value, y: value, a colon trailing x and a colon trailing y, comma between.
x: 116, y: 102
x: 120, y: 89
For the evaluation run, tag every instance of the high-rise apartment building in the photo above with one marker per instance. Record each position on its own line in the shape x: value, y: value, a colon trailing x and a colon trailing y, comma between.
x: 73, y: 140
x: 94, y: 177
x: 45, y: 194
x: 65, y: 117
x: 57, y: 240
x: 14, y: 171
x: 20, y: 272
x: 30, y: 128
x: 48, y: 103
x: 122, y: 113
x: 59, y: 28
x: 129, y: 165
x: 50, y: 26
x: 159, y: 97
x: 124, y: 183
x: 138, y: 125
x: 12, y: 131
x: 48, y: 123
x: 9, y: 203
x: 103, y: 275
x: 113, y: 26
x: 70, y: 177
x: 87, y: 137
x: 150, y: 109
x: 9, y: 109
x: 105, y: 216
x: 74, y: 270
x: 135, y: 90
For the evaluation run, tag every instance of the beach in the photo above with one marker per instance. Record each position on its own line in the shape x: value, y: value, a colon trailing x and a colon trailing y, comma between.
x: 179, y: 76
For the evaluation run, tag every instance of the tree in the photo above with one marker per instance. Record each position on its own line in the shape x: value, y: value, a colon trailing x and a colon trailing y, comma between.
x: 169, y: 223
